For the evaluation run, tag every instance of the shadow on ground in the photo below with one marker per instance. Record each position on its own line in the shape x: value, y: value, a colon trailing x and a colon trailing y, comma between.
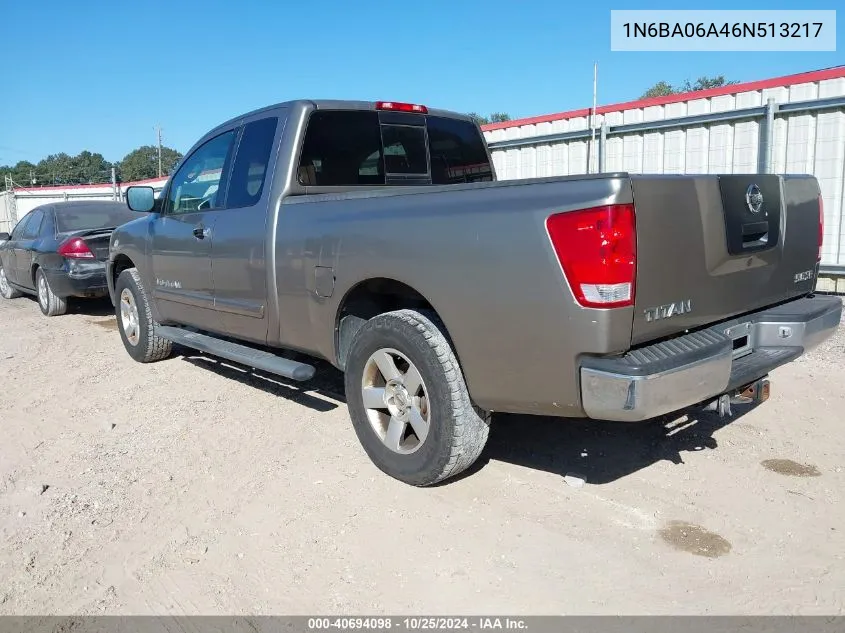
x: 322, y: 393
x: 100, y: 307
x: 92, y: 307
x: 600, y: 452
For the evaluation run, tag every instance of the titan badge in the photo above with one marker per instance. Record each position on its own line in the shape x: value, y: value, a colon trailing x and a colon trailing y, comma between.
x: 668, y: 310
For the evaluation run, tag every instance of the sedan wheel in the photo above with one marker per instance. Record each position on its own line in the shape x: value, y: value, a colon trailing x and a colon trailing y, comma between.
x: 50, y: 303
x: 43, y: 293
x: 6, y: 290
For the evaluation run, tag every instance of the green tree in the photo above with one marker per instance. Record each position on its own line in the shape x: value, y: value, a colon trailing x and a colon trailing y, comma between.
x: 62, y: 169
x: 21, y: 173
x: 142, y: 163
x: 496, y: 117
x: 55, y: 169
x: 662, y: 88
x: 91, y: 168
x: 705, y: 83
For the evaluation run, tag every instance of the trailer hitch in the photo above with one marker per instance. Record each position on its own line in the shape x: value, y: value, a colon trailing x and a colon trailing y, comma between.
x: 753, y: 393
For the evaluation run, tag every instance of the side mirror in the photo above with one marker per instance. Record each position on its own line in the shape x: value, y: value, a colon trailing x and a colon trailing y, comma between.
x: 140, y: 198
x: 4, y: 237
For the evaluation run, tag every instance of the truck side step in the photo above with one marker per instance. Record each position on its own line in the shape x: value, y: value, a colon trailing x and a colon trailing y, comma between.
x: 242, y: 354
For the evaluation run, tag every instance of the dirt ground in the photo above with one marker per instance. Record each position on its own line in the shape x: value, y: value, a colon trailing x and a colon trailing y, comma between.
x: 193, y: 487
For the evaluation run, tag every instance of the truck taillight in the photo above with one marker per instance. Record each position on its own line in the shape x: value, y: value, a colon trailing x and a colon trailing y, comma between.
x: 75, y: 248
x: 821, y: 227
x: 597, y: 250
x: 401, y: 107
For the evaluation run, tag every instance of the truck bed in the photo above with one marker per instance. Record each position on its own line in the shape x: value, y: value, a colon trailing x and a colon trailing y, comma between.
x: 481, y: 255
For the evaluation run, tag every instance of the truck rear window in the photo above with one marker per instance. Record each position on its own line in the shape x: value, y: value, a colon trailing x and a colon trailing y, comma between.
x: 79, y: 218
x: 347, y: 148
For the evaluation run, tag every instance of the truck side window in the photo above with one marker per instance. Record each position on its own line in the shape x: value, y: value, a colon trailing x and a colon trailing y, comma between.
x: 194, y: 187
x: 342, y: 148
x: 251, y: 160
x: 458, y: 153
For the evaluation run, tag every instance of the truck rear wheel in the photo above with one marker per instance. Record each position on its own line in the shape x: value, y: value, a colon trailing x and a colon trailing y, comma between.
x: 135, y: 320
x: 409, y: 402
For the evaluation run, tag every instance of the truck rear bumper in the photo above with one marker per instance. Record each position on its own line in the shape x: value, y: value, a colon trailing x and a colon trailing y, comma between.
x: 694, y: 368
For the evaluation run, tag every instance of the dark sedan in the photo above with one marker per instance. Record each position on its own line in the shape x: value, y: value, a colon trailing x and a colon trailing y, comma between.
x: 59, y: 250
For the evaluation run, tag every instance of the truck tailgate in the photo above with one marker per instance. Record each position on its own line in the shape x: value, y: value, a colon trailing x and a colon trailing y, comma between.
x: 714, y: 246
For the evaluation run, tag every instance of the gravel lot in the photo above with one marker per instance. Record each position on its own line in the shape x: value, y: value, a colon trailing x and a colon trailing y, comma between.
x: 189, y: 486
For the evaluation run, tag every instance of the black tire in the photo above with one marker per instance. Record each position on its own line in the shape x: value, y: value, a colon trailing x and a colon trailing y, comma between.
x: 6, y: 290
x: 50, y: 303
x: 458, y: 429
x: 148, y: 347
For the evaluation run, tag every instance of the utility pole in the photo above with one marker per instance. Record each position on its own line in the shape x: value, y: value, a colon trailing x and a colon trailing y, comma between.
x: 113, y: 184
x: 159, y: 151
x: 592, y: 151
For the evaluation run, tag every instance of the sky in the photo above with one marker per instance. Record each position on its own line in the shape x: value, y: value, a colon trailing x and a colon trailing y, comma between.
x: 102, y: 75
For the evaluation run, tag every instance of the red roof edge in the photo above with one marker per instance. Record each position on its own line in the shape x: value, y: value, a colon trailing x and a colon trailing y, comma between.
x: 122, y: 185
x: 777, y: 82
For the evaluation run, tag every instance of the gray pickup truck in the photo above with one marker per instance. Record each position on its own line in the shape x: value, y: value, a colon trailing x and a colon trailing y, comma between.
x: 376, y: 237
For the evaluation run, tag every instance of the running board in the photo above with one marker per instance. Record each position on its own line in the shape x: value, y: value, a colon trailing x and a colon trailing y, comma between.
x: 242, y: 354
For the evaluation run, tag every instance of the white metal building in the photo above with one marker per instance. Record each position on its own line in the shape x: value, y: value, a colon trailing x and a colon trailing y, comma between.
x: 792, y: 124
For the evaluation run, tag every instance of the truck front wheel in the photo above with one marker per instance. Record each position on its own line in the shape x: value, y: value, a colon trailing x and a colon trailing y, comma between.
x: 409, y: 402
x: 135, y: 320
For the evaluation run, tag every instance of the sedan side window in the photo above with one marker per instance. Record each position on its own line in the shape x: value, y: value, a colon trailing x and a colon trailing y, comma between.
x: 196, y: 185
x: 48, y: 225
x: 33, y: 226
x: 20, y: 226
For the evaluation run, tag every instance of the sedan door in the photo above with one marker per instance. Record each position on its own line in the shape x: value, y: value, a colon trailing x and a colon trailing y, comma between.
x: 181, y: 236
x: 7, y: 253
x: 23, y: 247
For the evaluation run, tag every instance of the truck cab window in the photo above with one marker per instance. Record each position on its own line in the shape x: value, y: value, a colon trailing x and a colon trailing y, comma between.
x: 349, y: 148
x: 342, y: 148
x: 458, y: 153
x: 251, y: 160
x: 195, y: 186
x: 404, y: 150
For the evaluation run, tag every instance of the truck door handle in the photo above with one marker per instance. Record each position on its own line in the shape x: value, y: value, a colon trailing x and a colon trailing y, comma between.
x: 200, y: 232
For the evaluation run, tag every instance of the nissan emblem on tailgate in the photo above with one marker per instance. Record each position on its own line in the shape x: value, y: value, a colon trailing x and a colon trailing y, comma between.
x: 754, y: 198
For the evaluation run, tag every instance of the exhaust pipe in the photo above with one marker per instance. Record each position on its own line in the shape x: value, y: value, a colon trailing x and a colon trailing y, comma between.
x: 755, y: 393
